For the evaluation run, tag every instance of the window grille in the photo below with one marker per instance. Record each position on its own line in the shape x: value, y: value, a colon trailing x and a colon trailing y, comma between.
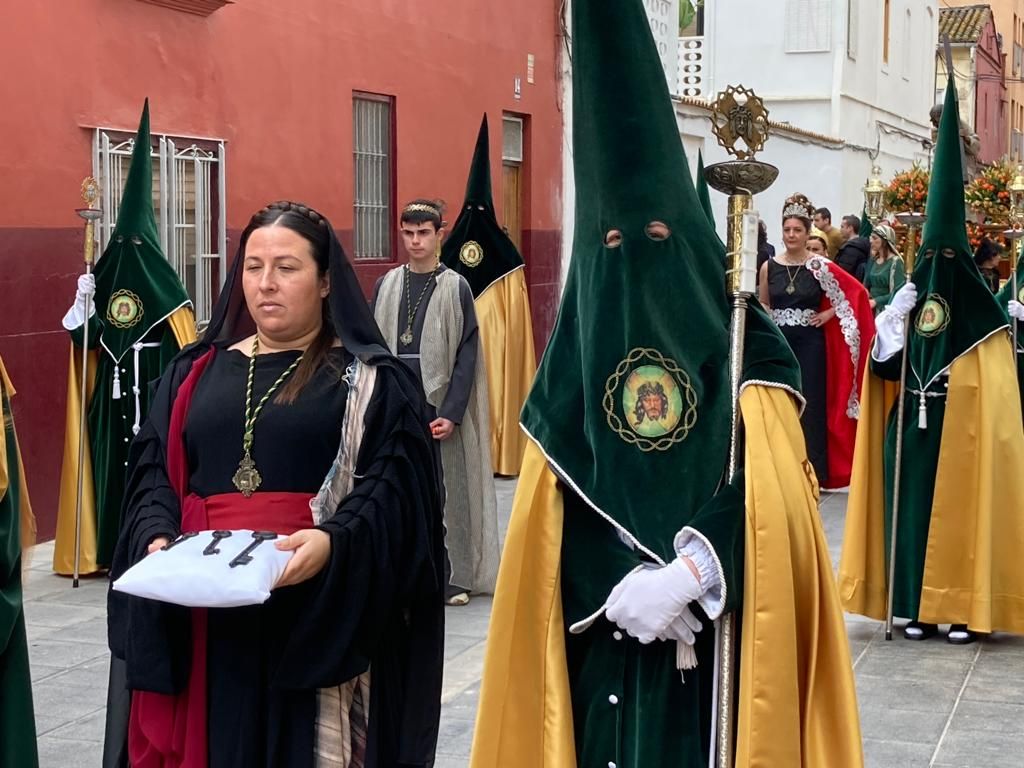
x: 908, y: 42
x: 512, y: 139
x: 808, y: 26
x: 852, y: 27
x: 373, y: 222
x: 188, y: 199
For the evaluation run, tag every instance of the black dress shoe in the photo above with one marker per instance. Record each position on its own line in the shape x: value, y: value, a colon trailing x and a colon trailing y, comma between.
x: 959, y: 634
x: 915, y: 630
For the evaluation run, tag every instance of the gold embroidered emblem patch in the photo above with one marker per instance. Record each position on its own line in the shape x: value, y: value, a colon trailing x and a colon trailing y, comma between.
x: 934, y: 317
x: 471, y: 253
x: 125, y: 309
x: 649, y: 401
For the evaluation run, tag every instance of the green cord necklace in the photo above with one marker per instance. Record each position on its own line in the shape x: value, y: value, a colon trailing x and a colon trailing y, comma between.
x: 247, y: 478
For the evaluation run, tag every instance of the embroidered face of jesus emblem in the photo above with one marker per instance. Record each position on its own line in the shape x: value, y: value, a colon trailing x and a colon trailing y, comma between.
x: 649, y: 401
x: 933, y: 318
x: 125, y: 309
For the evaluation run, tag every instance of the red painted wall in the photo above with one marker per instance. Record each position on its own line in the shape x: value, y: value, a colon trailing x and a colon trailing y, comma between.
x: 990, y: 102
x: 275, y: 81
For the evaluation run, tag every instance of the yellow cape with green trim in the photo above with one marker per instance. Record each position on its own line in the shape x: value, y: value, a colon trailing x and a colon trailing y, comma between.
x: 972, y: 570
x: 506, y: 343
x: 26, y: 517
x: 183, y: 325
x: 797, y: 702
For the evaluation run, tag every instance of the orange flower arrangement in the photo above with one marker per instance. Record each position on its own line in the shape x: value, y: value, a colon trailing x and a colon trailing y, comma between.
x: 908, y: 190
x: 989, y: 193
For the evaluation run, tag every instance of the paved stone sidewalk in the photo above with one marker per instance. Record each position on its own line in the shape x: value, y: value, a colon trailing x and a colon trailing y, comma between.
x: 922, y: 704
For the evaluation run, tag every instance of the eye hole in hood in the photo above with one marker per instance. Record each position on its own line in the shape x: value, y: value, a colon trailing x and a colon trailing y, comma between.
x: 658, y: 230
x: 613, y: 239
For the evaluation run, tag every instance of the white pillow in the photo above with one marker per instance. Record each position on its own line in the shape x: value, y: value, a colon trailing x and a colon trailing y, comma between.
x: 195, y: 570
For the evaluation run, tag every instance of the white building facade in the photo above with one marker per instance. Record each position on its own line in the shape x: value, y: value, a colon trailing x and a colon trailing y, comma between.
x: 847, y: 83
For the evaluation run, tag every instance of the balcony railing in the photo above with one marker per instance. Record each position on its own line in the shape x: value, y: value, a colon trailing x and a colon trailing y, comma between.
x: 692, y: 69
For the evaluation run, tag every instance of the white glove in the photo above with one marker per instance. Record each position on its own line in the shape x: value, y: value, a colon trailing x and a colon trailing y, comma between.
x: 86, y: 285
x: 683, y: 629
x: 904, y: 300
x: 1016, y: 309
x: 889, y: 330
x: 84, y: 307
x: 649, y: 599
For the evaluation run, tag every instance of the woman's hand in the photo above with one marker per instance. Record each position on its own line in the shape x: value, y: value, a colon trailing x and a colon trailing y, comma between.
x: 873, y: 303
x: 157, y: 543
x: 312, y: 548
x: 821, y: 318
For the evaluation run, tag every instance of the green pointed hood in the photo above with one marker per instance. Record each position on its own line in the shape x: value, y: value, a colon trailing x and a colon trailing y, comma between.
x: 477, y: 247
x: 136, y: 288
x: 631, y: 401
x: 703, y: 193
x: 956, y: 310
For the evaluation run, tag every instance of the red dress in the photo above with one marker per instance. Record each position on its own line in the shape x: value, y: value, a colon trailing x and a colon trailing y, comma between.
x: 848, y: 339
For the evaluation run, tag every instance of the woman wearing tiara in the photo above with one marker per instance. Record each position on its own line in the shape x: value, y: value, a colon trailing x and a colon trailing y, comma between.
x: 826, y: 317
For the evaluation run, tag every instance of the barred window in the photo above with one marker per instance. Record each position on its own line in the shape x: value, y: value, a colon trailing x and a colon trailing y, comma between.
x: 808, y: 26
x: 188, y: 197
x: 852, y: 27
x: 373, y: 155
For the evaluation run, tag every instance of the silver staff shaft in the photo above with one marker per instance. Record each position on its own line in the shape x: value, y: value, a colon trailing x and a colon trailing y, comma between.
x: 900, y: 420
x: 89, y: 249
x: 741, y: 286
x: 913, y: 221
x: 82, y: 433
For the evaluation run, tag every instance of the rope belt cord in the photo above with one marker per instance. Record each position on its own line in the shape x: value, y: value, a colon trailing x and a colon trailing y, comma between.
x: 922, y: 408
x: 136, y: 389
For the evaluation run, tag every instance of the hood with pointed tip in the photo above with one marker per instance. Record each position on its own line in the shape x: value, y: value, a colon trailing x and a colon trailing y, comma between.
x: 136, y: 287
x: 631, y: 402
x: 955, y: 309
x: 477, y: 247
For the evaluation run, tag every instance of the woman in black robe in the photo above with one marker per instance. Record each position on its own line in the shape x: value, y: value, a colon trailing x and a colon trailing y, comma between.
x: 364, y: 587
x: 793, y: 296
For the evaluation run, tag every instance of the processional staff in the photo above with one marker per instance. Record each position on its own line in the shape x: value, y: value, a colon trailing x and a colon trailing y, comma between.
x: 737, y: 114
x: 90, y: 193
x: 913, y: 221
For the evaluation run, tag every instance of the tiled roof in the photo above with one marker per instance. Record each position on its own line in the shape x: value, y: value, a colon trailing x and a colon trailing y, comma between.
x: 963, y: 25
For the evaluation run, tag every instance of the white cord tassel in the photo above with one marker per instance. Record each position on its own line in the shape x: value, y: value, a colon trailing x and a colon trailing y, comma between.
x: 117, y: 384
x: 922, y: 413
x: 686, y: 658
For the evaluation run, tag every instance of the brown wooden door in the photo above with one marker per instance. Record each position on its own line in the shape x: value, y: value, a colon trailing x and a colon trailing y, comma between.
x: 512, y: 207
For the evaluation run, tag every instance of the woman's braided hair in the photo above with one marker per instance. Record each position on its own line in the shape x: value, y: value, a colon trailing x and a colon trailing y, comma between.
x: 287, y: 206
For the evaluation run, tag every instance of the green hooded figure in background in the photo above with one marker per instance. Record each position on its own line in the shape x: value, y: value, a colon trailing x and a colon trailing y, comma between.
x: 625, y: 544
x: 139, y: 317
x: 959, y: 533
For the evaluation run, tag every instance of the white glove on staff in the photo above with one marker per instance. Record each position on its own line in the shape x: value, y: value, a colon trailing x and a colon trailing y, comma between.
x: 1016, y: 309
x: 889, y: 338
x: 649, y: 603
x: 77, y: 314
